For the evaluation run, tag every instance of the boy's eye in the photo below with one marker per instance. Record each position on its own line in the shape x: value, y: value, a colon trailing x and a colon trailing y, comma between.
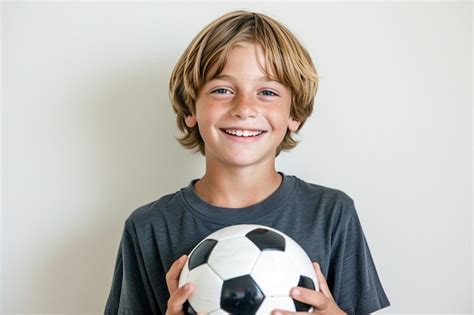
x: 221, y: 91
x: 269, y: 93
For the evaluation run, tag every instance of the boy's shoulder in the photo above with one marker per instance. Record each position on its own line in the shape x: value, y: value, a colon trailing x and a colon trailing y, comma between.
x: 148, y: 211
x: 327, y: 203
x: 323, y: 193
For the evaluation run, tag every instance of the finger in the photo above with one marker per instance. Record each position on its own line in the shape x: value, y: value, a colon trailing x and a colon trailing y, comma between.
x: 323, y: 285
x: 177, y: 299
x: 172, y: 276
x: 317, y: 299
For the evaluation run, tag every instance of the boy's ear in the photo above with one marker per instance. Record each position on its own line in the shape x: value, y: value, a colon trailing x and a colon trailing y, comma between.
x: 190, y: 121
x: 293, y: 125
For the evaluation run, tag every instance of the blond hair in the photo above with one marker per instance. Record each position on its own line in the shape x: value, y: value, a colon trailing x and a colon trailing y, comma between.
x: 288, y: 60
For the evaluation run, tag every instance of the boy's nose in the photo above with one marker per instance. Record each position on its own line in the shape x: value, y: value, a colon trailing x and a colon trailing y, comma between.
x: 244, y: 108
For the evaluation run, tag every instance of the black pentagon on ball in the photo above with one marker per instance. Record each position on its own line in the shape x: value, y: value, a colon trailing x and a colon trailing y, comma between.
x: 307, y: 283
x: 188, y: 309
x: 241, y: 295
x: 201, y: 254
x: 266, y: 239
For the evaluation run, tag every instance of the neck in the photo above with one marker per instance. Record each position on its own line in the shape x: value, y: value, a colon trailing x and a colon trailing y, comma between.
x: 237, y: 187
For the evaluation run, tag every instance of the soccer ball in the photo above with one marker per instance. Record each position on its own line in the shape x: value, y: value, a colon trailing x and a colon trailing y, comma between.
x: 246, y: 269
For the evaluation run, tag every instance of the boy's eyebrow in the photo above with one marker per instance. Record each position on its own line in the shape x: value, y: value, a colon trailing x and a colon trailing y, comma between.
x: 231, y: 78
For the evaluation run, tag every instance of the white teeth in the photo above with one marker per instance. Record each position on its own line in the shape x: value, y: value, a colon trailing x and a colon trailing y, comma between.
x: 244, y: 133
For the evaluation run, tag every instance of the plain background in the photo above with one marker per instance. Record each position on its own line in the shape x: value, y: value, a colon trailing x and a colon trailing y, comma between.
x: 88, y: 136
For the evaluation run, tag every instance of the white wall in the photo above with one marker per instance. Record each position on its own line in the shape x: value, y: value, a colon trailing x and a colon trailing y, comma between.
x: 88, y: 137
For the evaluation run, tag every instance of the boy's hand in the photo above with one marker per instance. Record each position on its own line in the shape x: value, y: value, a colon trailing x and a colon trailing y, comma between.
x: 178, y: 296
x: 322, y: 301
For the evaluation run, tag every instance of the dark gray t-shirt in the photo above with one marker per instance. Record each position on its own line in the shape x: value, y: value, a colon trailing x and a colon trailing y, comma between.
x: 322, y: 220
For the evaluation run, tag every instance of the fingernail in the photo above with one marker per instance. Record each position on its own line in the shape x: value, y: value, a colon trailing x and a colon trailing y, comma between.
x: 295, y: 292
x: 277, y: 313
x: 182, y: 257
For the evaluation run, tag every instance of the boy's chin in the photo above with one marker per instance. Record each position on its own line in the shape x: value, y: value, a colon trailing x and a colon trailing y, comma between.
x: 247, y: 159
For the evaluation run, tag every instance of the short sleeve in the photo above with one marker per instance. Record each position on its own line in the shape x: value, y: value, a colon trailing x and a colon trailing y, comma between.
x: 130, y: 292
x: 352, y: 275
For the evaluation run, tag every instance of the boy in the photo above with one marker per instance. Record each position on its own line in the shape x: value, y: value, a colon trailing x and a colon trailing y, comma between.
x: 240, y: 90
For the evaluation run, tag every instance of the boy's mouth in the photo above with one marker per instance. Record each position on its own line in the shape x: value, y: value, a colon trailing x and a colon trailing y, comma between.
x: 243, y: 133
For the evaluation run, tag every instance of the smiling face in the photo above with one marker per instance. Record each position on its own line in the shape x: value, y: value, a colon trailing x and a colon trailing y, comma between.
x: 243, y: 115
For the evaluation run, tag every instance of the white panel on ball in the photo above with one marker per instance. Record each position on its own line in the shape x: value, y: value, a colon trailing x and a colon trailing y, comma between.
x: 183, y: 278
x: 225, y: 261
x: 205, y: 280
x: 278, y: 302
x: 275, y: 274
x: 300, y: 260
x: 219, y: 312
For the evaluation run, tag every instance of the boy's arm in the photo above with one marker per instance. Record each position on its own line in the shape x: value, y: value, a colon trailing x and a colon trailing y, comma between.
x: 351, y: 274
x: 130, y: 292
